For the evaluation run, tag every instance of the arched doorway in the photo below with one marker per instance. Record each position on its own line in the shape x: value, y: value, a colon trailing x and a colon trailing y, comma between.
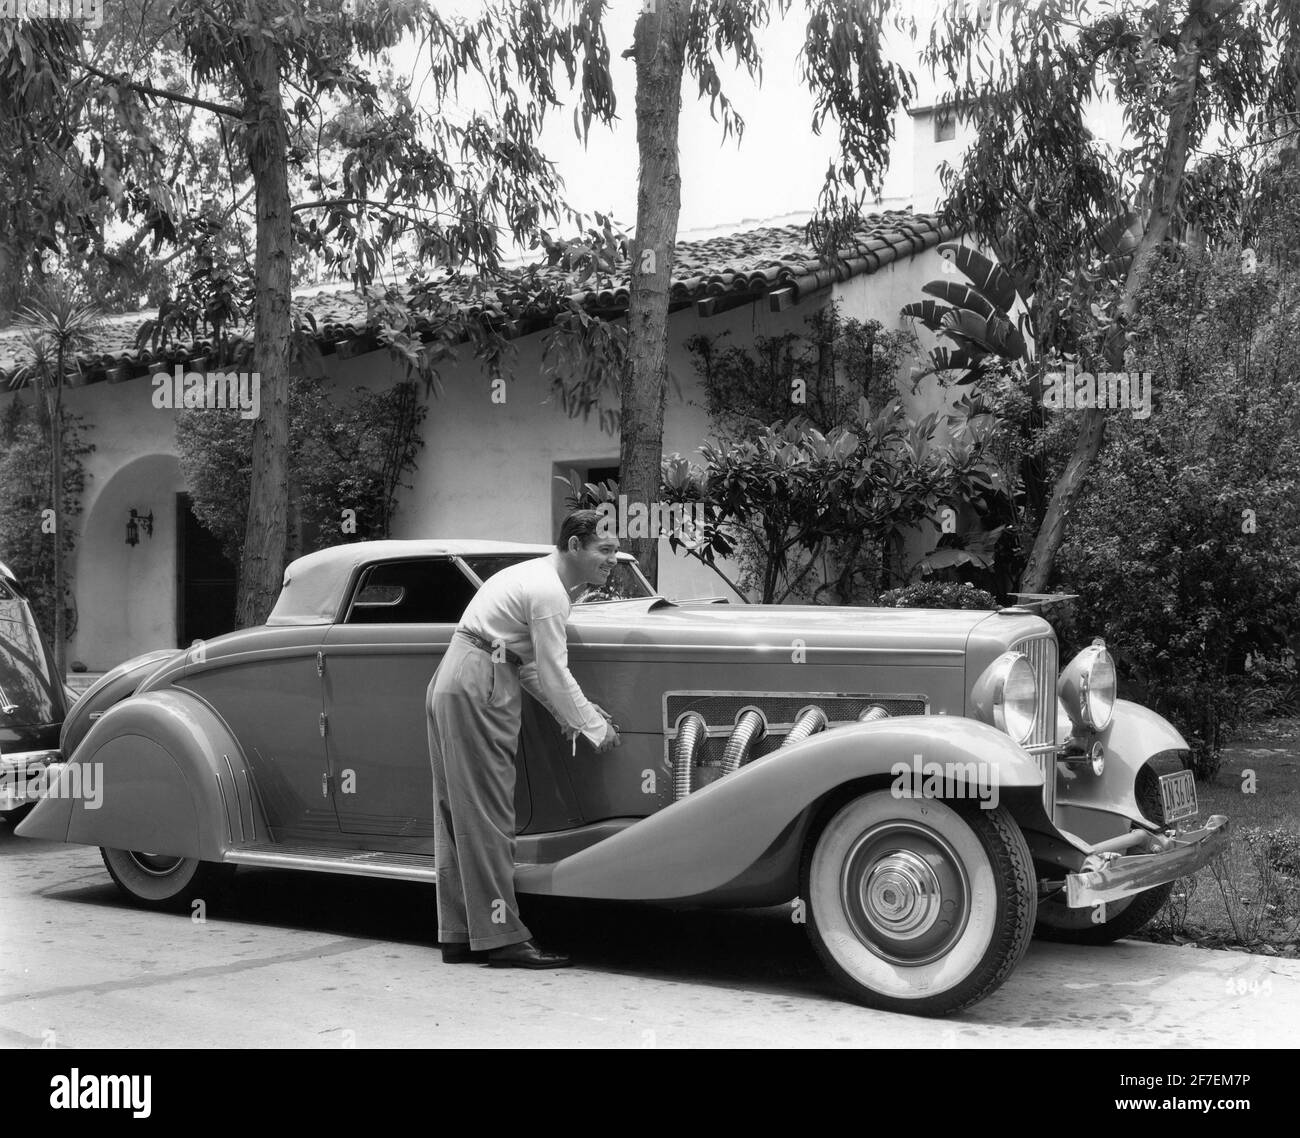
x: 167, y: 589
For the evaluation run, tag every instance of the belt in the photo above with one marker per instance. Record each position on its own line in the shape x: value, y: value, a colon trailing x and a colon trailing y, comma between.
x: 487, y: 646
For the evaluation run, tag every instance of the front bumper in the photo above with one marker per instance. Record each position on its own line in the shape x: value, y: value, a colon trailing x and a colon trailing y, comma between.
x: 25, y: 776
x: 1117, y: 877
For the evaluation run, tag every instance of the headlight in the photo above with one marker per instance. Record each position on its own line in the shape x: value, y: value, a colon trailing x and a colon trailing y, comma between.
x: 1087, y: 688
x: 1006, y: 695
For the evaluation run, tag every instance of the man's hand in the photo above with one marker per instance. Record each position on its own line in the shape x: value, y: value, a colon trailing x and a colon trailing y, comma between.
x: 605, y: 714
x: 610, y: 740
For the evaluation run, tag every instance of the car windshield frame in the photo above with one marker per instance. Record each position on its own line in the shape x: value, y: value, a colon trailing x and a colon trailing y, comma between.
x: 624, y: 559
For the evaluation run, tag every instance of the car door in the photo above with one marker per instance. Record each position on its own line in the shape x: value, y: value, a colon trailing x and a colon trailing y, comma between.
x: 271, y: 699
x: 377, y: 665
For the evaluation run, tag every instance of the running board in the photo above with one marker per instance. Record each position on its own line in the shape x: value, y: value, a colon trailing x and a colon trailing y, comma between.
x: 534, y: 854
x: 358, y: 863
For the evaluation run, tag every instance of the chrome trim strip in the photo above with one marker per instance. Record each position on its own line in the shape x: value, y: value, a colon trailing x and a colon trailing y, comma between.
x: 239, y: 812
x: 248, y: 794
x: 351, y: 863
x: 46, y: 755
x: 957, y: 654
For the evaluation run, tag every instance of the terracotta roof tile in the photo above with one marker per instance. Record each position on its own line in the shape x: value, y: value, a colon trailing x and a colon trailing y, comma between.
x: 753, y: 261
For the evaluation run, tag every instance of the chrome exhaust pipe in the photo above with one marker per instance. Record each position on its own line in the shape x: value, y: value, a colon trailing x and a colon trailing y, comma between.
x: 872, y: 713
x: 812, y: 720
x: 748, y: 730
x: 690, y: 733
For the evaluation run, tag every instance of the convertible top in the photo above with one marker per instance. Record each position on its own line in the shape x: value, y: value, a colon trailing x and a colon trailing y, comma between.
x: 314, y: 585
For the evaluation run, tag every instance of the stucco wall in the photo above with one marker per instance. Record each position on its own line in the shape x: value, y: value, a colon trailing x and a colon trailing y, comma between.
x: 486, y: 469
x: 126, y: 595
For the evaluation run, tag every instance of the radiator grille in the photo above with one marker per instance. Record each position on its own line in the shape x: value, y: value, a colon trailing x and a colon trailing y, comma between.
x: 1042, y: 740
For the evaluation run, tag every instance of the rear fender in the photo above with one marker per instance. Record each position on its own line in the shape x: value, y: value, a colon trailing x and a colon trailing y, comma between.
x: 1133, y: 737
x: 112, y: 687
x: 159, y: 772
x: 706, y: 842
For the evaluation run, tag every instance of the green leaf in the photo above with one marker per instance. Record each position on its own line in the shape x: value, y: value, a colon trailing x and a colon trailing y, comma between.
x: 989, y: 278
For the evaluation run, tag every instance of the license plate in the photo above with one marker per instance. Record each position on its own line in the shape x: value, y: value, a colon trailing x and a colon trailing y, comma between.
x: 1179, y: 794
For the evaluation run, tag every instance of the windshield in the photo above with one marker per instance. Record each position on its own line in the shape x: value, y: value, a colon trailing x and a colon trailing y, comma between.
x: 625, y: 583
x: 26, y: 685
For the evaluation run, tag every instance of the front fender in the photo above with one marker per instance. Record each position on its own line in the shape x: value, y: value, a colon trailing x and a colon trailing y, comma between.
x: 1134, y: 735
x: 750, y: 826
x: 159, y: 772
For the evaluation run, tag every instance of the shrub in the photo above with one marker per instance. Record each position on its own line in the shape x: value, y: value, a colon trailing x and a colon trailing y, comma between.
x: 350, y: 456
x: 1185, y: 545
x: 938, y: 595
x: 816, y: 472
x: 26, y: 545
x: 1279, y: 849
x: 1258, y: 883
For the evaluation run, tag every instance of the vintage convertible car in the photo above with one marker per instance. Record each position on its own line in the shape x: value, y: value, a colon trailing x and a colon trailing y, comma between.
x: 32, y: 702
x: 906, y: 780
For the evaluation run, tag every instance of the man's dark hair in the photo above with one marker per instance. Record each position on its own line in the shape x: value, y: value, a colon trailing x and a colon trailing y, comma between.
x: 582, y: 524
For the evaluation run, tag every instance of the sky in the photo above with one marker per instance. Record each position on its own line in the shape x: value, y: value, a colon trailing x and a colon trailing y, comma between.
x: 775, y: 171
x: 774, y: 174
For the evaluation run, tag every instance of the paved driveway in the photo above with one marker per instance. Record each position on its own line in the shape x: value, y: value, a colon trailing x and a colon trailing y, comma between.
x: 303, y: 960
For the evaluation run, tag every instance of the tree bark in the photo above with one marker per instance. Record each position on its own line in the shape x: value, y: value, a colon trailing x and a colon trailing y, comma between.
x: 660, y: 52
x: 1164, y: 195
x: 262, y: 565
x: 56, y: 457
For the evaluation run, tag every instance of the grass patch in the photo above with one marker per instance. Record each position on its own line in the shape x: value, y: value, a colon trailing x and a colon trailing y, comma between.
x: 1250, y: 897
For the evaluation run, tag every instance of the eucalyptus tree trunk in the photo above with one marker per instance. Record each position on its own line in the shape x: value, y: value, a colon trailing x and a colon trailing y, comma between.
x: 55, y: 408
x: 262, y: 565
x: 1163, y: 197
x: 659, y: 48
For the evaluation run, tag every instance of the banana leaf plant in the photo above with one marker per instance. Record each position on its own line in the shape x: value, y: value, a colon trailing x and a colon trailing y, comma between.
x: 990, y: 320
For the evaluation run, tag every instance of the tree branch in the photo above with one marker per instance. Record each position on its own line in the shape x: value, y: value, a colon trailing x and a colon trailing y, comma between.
x: 156, y: 93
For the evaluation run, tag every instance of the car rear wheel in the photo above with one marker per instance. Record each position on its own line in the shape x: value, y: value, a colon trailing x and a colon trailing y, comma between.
x: 1107, y: 923
x: 917, y: 907
x: 160, y: 881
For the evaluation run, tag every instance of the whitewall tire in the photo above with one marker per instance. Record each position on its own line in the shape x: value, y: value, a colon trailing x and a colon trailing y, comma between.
x: 915, y: 906
x: 158, y: 881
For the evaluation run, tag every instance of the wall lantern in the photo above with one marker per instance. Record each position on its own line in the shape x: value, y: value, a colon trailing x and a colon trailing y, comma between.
x: 137, y: 522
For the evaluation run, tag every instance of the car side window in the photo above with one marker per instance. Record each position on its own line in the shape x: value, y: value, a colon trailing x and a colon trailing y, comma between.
x: 432, y: 591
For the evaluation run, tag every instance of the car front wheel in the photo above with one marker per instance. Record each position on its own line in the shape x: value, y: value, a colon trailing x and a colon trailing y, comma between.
x: 917, y: 907
x: 160, y: 881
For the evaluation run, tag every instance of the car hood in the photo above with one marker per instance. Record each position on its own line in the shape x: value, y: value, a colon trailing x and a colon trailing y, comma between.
x: 777, y: 626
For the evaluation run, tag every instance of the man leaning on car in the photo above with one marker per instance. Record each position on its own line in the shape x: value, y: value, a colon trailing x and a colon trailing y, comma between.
x: 512, y: 635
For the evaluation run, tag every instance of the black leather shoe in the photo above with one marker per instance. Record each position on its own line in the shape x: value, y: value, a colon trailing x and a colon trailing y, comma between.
x: 526, y: 955
x: 461, y: 954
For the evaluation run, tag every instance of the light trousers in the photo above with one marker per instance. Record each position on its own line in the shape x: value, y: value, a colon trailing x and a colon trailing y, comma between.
x: 473, y: 710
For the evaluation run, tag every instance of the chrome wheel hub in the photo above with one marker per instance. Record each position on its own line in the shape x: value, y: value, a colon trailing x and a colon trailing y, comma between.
x: 905, y: 892
x: 156, y: 865
x: 901, y: 895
